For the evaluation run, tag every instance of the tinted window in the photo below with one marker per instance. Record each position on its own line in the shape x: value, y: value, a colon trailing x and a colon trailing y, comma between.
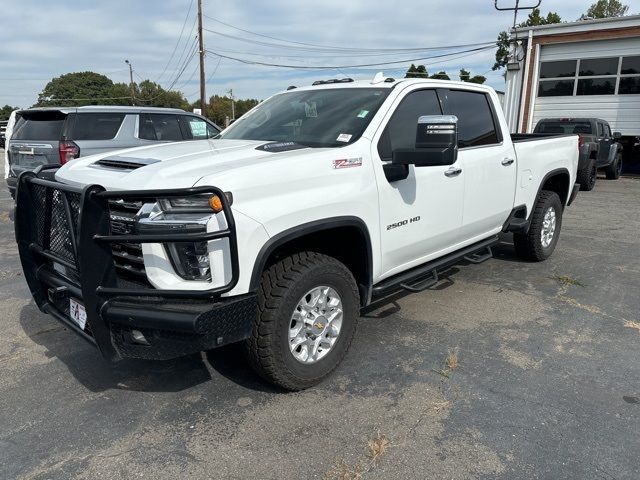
x: 563, y: 127
x: 564, y: 68
x: 629, y: 85
x: 607, y: 130
x: 159, y: 126
x: 96, y: 126
x: 630, y: 65
x: 401, y: 129
x: 39, y: 126
x: 596, y: 86
x: 600, y: 130
x: 599, y: 66
x: 476, y: 125
x: 555, y: 88
x: 198, y: 129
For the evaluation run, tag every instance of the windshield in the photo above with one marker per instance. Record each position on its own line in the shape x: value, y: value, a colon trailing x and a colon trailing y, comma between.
x: 316, y: 118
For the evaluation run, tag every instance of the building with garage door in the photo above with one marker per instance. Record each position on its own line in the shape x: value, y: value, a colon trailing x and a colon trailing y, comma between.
x: 588, y: 68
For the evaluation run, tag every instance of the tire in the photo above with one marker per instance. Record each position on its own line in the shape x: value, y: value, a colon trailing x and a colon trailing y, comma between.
x: 587, y: 176
x: 283, y: 288
x: 530, y: 246
x: 613, y: 171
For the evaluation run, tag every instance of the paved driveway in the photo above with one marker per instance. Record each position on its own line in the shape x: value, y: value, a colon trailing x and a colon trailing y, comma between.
x: 546, y: 383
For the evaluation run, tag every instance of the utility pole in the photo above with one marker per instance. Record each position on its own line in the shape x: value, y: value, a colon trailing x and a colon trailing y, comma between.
x: 515, y: 10
x: 131, y: 85
x: 233, y: 104
x: 203, y: 95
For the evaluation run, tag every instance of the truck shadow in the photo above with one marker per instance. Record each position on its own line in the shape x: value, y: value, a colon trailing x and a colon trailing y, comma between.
x: 85, y: 363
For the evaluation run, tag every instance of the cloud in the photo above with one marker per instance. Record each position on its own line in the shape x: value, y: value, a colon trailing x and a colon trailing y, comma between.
x: 40, y: 41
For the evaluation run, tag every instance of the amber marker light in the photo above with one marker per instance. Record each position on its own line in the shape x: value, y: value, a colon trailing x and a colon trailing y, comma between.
x: 215, y: 203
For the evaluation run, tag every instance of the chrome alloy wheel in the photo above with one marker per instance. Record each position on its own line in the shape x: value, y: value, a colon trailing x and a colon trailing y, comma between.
x: 548, y: 227
x: 315, y: 324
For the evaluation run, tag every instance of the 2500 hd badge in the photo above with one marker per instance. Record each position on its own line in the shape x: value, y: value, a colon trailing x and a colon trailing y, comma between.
x: 403, y: 223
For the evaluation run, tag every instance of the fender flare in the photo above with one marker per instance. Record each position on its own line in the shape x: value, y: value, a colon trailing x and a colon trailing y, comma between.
x: 550, y: 174
x: 304, y: 229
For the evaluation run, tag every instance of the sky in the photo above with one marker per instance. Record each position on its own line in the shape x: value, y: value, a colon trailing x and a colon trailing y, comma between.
x: 42, y: 39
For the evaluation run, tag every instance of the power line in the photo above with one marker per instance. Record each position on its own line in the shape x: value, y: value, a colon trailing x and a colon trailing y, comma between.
x: 325, y: 47
x: 326, y: 67
x: 175, y: 48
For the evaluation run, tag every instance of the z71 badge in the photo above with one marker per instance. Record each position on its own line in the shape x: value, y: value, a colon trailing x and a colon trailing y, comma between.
x: 347, y: 163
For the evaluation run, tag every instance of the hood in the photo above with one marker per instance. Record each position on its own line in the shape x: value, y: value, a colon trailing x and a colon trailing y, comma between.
x: 172, y: 165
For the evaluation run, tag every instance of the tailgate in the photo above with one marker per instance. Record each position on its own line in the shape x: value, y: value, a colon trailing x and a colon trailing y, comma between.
x: 35, y: 140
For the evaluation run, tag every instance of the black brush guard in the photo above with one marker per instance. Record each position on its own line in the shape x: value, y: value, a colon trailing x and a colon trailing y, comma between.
x: 64, y: 239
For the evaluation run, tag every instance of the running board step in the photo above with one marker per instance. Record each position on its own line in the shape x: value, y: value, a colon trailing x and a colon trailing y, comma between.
x: 422, y: 285
x: 479, y: 257
x: 414, y: 280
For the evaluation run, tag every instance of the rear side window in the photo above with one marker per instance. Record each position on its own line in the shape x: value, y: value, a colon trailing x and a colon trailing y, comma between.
x: 476, y: 125
x: 96, y: 126
x: 197, y: 129
x: 401, y: 129
x: 567, y: 127
x: 600, y: 130
x: 39, y: 126
x: 159, y: 127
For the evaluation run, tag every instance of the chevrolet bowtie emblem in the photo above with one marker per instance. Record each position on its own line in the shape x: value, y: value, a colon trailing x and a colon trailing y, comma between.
x: 318, y: 325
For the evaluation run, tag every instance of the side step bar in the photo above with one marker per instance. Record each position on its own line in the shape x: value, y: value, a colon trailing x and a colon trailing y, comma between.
x: 424, y: 276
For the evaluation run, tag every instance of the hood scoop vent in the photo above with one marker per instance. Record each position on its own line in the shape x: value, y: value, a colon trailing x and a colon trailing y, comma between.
x: 125, y: 163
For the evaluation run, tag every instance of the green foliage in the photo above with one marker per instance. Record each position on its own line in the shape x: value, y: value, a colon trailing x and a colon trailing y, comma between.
x: 219, y: 108
x: 420, y: 71
x: 85, y: 86
x: 151, y: 94
x: 607, y: 9
x: 534, y: 19
x: 6, y: 111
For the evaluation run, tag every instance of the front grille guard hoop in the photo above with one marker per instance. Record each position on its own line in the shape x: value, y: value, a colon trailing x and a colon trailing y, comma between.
x: 89, y: 239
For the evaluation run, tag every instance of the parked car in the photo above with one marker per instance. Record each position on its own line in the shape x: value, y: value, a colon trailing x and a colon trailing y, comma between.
x: 46, y: 136
x: 599, y: 147
x: 3, y: 130
x: 309, y: 207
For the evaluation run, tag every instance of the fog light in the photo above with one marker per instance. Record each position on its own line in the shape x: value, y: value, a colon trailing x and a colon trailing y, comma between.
x: 190, y: 260
x: 138, y: 337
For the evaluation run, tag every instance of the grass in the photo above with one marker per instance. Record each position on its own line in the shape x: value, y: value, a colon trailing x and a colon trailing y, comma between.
x: 450, y: 364
x: 565, y: 280
x: 632, y: 324
x: 378, y: 445
x: 376, y: 448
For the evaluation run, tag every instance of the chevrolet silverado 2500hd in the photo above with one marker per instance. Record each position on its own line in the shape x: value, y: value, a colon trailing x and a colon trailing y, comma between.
x: 313, y: 204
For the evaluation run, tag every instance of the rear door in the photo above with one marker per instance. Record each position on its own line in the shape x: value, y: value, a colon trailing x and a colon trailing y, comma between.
x: 487, y: 160
x: 604, y: 139
x: 99, y: 132
x: 36, y: 139
x: 159, y: 127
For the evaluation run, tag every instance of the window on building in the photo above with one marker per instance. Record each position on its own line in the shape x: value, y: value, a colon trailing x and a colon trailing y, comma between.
x: 590, y: 76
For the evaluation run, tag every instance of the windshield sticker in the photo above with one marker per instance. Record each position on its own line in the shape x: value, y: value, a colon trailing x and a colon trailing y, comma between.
x: 344, y: 137
x: 363, y: 113
x: 347, y: 163
x: 310, y: 109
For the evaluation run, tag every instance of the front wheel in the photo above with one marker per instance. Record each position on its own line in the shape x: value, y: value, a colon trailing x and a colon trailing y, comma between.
x: 614, y: 170
x: 540, y: 241
x: 308, y: 309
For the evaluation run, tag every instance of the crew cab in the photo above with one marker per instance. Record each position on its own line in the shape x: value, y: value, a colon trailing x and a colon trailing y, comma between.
x: 599, y: 148
x: 278, y: 231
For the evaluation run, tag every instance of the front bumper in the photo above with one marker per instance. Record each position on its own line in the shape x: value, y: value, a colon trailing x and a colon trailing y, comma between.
x: 65, y: 243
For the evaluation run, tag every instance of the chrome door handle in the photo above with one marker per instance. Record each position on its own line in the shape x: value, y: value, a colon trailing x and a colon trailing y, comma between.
x: 507, y: 161
x: 453, y: 172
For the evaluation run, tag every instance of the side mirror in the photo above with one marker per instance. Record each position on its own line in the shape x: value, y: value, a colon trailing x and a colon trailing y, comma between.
x: 617, y: 135
x: 436, y: 143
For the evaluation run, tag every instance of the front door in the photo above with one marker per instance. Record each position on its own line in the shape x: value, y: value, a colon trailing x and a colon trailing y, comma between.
x: 421, y: 214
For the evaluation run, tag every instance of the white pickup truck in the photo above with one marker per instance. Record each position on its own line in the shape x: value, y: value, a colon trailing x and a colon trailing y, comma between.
x: 312, y: 205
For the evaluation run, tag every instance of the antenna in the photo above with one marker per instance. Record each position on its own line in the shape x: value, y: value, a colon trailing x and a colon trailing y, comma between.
x: 515, y: 22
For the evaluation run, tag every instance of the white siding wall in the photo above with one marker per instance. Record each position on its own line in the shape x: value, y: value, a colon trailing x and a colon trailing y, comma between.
x: 621, y: 111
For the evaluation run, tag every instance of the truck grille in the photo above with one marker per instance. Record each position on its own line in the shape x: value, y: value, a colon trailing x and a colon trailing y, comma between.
x: 127, y: 257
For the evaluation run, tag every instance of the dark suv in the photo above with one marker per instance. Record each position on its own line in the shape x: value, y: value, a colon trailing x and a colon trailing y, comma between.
x: 599, y: 147
x: 57, y: 135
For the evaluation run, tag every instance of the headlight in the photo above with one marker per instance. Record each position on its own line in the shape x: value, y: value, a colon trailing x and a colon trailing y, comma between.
x: 189, y: 214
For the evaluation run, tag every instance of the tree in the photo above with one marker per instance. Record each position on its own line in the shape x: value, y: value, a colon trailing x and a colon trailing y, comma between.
x: 151, y: 94
x: 5, y: 112
x: 503, y: 43
x: 219, y: 108
x: 420, y: 71
x: 465, y: 76
x: 607, y: 9
x: 89, y: 88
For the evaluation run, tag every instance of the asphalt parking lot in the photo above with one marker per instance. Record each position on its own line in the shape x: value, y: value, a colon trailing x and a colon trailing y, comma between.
x: 547, y: 381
